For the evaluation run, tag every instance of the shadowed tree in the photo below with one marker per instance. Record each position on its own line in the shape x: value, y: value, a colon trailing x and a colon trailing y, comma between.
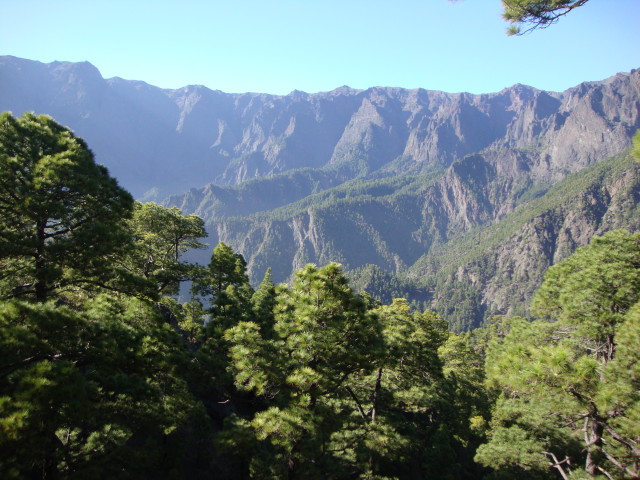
x: 322, y: 334
x: 225, y: 269
x: 61, y: 214
x: 91, y: 394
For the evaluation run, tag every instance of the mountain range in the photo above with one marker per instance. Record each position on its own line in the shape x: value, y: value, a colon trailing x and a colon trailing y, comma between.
x: 458, y: 202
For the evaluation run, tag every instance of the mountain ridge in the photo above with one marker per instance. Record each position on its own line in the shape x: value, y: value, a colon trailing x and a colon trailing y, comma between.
x: 224, y: 138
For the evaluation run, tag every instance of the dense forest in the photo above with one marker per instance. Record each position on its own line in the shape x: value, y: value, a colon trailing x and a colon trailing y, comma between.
x: 104, y: 374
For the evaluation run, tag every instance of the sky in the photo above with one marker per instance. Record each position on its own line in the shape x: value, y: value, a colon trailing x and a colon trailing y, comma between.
x: 276, y: 46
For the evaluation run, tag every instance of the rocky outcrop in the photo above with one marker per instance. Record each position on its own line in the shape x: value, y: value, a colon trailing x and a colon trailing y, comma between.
x: 607, y: 202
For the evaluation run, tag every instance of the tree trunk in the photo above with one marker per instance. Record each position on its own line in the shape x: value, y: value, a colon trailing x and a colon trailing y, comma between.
x: 40, y: 262
x: 593, y: 438
x: 611, y: 348
x: 376, y: 391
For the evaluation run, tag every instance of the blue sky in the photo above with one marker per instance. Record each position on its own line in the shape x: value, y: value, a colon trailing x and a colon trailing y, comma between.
x: 280, y: 45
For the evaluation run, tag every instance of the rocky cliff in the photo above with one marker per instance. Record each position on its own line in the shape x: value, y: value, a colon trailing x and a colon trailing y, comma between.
x: 499, y: 266
x: 173, y: 140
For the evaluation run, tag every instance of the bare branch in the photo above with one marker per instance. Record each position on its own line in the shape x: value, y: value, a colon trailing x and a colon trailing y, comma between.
x: 355, y: 399
x: 558, y: 465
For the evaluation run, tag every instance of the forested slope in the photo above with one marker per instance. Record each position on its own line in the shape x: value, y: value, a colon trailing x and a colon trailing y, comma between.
x: 485, y: 254
x: 502, y: 265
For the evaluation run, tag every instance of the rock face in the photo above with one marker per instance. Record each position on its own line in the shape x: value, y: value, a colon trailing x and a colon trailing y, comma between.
x: 173, y: 140
x: 464, y: 199
x: 500, y: 265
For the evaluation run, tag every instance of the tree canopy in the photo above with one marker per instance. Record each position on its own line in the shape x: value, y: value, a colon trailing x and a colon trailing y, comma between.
x: 104, y: 375
x: 161, y: 236
x: 563, y: 403
x: 61, y: 214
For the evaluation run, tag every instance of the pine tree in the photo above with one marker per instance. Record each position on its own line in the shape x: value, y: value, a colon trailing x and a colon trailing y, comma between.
x: 536, y: 13
x: 162, y: 236
x: 61, y: 214
x: 82, y: 391
x: 322, y: 335
x: 558, y: 380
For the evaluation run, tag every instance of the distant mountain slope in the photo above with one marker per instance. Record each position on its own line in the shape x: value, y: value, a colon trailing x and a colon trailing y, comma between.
x: 497, y: 268
x: 173, y: 140
x: 457, y: 201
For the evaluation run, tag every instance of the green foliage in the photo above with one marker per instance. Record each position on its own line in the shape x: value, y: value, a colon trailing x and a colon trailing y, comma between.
x: 407, y: 381
x: 60, y: 213
x: 94, y: 384
x: 226, y: 269
x: 389, y: 222
x: 635, y: 151
x: 464, y: 370
x: 263, y: 193
x: 560, y: 383
x: 384, y: 287
x: 192, y: 319
x: 620, y: 392
x: 460, y: 302
x: 263, y: 304
x: 230, y: 301
x: 322, y: 334
x: 161, y: 236
x: 347, y: 391
x: 477, y: 251
x: 514, y: 449
x: 344, y: 213
x: 536, y: 13
x: 306, y: 381
x: 113, y: 386
x: 77, y: 388
x: 324, y: 325
x: 594, y: 288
